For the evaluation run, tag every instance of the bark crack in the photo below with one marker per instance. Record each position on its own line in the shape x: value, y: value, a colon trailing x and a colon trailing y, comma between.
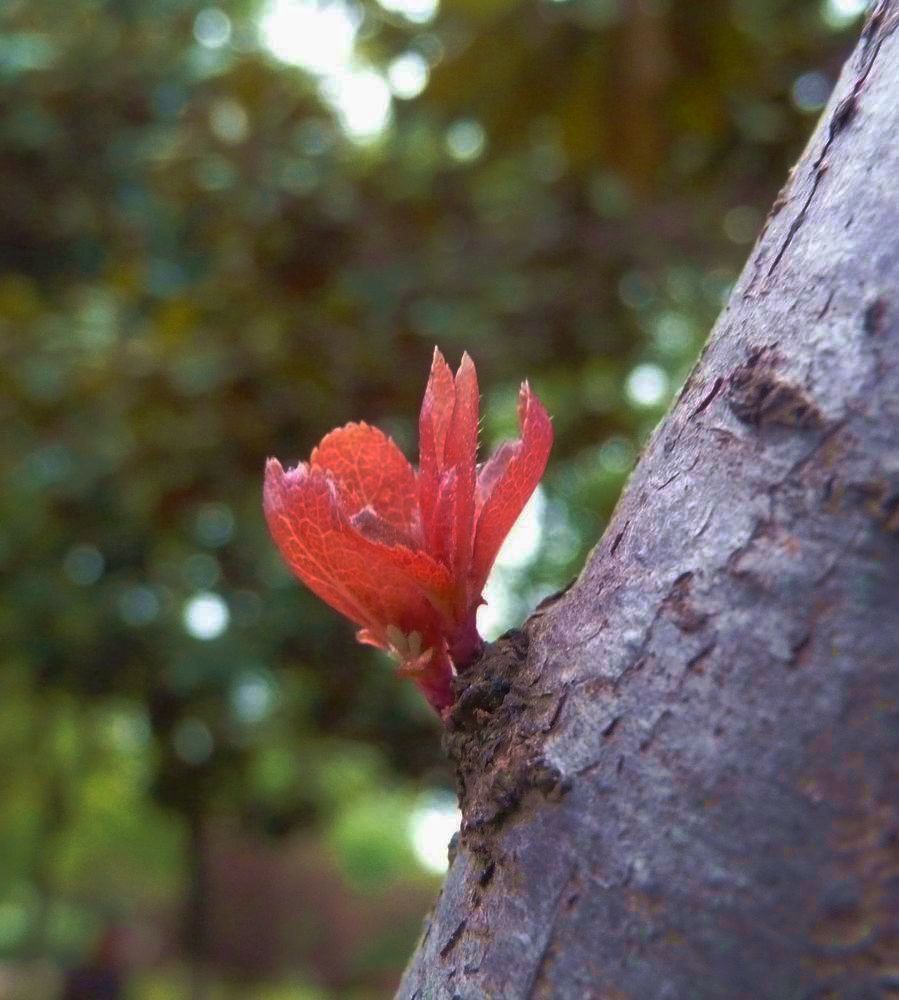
x: 843, y: 114
x: 546, y: 952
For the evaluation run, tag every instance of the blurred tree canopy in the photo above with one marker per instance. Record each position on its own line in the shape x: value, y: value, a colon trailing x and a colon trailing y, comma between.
x: 213, y: 249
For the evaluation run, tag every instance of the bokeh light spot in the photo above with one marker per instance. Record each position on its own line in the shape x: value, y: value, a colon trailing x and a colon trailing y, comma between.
x: 50, y: 464
x: 228, y: 121
x: 741, y: 224
x: 810, y: 91
x: 214, y: 524
x: 212, y: 28
x: 841, y: 13
x: 206, y: 615
x: 519, y: 550
x: 84, y: 564
x: 138, y: 606
x: 466, y: 140
x: 434, y: 821
x: 672, y: 332
x: 201, y: 571
x: 635, y: 289
x: 252, y: 697
x: 416, y: 11
x: 408, y: 75
x: 361, y: 98
x: 317, y: 36
x: 321, y: 38
x: 616, y: 456
x: 193, y: 741
x: 523, y: 542
x: 647, y: 385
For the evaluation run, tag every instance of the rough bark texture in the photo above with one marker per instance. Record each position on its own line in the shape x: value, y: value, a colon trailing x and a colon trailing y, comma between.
x: 681, y: 779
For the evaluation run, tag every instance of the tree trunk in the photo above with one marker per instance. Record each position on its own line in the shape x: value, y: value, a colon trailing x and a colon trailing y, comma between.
x: 681, y: 780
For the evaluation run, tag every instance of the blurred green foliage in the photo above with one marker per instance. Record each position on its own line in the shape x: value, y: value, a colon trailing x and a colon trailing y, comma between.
x: 199, y: 267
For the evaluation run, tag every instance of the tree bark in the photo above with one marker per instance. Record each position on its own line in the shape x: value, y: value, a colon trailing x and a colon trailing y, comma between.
x: 681, y: 779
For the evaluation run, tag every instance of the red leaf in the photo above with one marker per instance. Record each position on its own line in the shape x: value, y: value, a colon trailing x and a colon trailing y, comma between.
x: 433, y: 427
x: 441, y: 542
x: 372, y: 584
x: 507, y: 482
x: 370, y: 471
x: 461, y: 456
x: 405, y: 557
